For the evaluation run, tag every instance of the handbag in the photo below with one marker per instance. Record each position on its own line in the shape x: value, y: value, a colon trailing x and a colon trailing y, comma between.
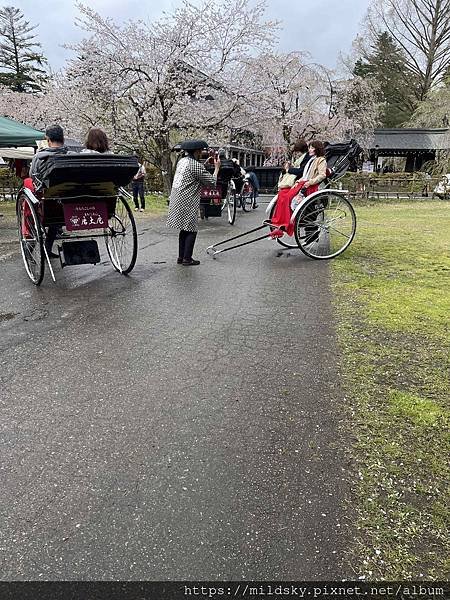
x: 287, y: 181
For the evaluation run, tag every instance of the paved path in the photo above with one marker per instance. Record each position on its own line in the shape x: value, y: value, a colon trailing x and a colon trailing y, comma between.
x: 180, y: 423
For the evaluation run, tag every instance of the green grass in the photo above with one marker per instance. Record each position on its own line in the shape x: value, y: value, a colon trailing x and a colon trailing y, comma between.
x: 8, y: 222
x: 392, y: 296
x: 421, y: 413
x: 7, y: 208
x: 155, y: 204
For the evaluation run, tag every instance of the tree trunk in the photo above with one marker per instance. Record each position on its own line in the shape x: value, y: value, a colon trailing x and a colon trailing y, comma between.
x: 432, y: 48
x: 167, y: 169
x: 287, y: 134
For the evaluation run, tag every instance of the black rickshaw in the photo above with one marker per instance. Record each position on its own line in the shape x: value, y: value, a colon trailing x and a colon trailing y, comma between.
x: 82, y: 198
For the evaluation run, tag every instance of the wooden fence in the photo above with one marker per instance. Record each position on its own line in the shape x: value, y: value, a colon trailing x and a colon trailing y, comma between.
x: 363, y: 185
x: 389, y: 186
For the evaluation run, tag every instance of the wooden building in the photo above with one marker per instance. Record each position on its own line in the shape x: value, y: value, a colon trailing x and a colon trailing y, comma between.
x: 418, y: 146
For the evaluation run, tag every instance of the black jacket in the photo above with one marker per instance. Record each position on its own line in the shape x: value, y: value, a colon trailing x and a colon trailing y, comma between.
x: 299, y: 170
x: 40, y: 159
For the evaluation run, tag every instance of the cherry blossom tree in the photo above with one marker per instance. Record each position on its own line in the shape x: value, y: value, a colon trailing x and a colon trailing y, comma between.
x: 300, y: 99
x: 287, y: 91
x: 185, y: 75
x: 208, y: 71
x: 59, y: 102
x: 354, y: 111
x: 23, y: 107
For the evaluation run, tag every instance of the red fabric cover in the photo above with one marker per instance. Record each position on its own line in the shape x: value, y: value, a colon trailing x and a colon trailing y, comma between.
x: 26, y: 216
x: 28, y: 183
x: 282, y: 214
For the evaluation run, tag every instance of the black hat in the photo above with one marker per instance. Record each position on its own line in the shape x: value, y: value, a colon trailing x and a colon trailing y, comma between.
x: 191, y: 145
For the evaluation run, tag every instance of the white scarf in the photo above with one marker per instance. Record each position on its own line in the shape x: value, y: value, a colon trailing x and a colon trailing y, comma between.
x: 307, y: 168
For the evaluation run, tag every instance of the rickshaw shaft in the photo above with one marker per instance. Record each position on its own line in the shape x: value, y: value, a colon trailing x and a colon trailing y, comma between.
x: 87, y: 237
x: 239, y: 236
x: 263, y: 237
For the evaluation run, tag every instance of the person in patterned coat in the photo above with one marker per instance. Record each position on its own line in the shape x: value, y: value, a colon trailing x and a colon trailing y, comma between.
x: 184, y: 201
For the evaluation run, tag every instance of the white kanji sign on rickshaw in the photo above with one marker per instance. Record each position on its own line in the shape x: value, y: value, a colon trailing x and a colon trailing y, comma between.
x: 92, y: 215
x: 214, y: 195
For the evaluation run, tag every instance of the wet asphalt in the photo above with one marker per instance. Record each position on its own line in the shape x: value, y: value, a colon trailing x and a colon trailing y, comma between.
x: 179, y: 423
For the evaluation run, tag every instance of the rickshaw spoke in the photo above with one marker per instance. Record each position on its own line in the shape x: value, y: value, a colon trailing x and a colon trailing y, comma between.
x: 30, y: 238
x: 230, y: 202
x: 121, y: 237
x: 340, y: 232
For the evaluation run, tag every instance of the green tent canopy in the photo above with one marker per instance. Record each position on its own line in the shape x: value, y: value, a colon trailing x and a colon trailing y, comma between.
x: 16, y: 134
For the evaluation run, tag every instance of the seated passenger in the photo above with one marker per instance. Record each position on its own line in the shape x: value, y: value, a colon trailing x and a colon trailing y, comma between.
x: 226, y: 171
x: 299, y: 152
x: 255, y: 184
x: 55, y: 139
x: 96, y: 142
x: 240, y: 174
x: 310, y: 177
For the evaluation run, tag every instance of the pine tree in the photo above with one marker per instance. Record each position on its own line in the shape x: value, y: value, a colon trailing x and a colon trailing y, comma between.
x: 22, y: 65
x: 386, y: 66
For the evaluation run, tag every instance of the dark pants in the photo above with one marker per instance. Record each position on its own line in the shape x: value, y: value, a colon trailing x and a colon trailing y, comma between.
x: 186, y: 243
x: 255, y: 182
x: 138, y: 190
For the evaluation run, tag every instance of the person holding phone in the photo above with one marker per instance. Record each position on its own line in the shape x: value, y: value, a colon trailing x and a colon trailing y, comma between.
x: 184, y: 202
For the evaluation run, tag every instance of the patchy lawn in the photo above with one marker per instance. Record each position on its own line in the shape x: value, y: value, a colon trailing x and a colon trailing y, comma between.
x: 155, y: 204
x: 7, y: 209
x: 392, y: 291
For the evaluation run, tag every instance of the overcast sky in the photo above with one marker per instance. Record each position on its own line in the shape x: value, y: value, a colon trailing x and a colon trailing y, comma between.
x: 323, y: 27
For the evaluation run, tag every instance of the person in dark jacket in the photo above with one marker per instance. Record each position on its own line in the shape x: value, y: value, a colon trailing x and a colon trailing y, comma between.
x: 299, y: 160
x: 54, y: 136
x: 55, y: 139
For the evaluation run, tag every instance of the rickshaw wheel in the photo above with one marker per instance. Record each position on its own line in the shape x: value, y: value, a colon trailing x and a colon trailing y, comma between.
x: 31, y: 239
x: 247, y: 197
x: 287, y: 241
x: 121, y: 237
x: 230, y: 205
x: 325, y: 226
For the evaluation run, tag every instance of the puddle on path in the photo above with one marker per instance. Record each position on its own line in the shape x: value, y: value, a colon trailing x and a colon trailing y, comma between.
x: 7, y: 316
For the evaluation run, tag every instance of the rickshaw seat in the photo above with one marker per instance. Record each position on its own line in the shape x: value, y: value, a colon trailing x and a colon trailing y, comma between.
x: 90, y: 171
x: 82, y: 177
